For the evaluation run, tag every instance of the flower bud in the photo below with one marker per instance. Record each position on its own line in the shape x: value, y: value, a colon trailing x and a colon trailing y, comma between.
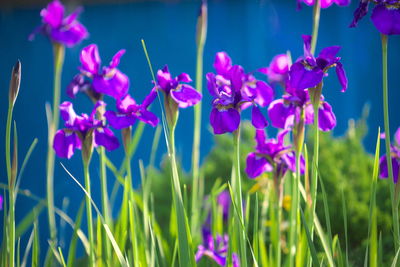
x: 14, y: 83
x: 201, y: 28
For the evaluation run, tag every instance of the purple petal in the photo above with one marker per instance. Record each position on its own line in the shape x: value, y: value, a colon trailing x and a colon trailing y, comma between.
x: 265, y: 94
x: 326, y: 117
x: 303, y: 78
x: 148, y: 117
x: 329, y: 53
x: 90, y: 59
x: 117, y: 58
x: 71, y: 18
x: 185, y: 96
x: 224, y: 121
x: 69, y: 35
x: 260, y: 139
x: 280, y: 137
x: 67, y: 113
x: 119, y: 121
x: 53, y: 14
x: 326, y: 3
x: 184, y: 77
x: 65, y: 143
x: 309, y: 114
x: 127, y: 104
x: 212, y: 84
x: 75, y: 85
x: 360, y: 12
x: 383, y: 168
x: 397, y: 136
x: 149, y: 98
x: 164, y: 78
x: 255, y: 165
x: 307, y: 45
x: 222, y: 63
x: 116, y: 86
x: 106, y: 138
x: 199, y: 253
x: 237, y: 74
x: 279, y: 64
x: 290, y: 160
x: 257, y: 118
x: 341, y: 74
x: 235, y: 260
x: 386, y: 19
x: 279, y: 113
x: 342, y: 2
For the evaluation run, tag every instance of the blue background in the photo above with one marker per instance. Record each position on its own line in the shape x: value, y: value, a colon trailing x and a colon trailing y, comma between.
x: 252, y: 32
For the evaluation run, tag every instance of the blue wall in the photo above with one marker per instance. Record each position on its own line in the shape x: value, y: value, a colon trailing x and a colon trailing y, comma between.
x: 252, y: 32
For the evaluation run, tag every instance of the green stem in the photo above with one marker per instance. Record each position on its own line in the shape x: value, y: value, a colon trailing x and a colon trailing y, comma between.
x: 104, y: 200
x: 278, y: 216
x: 237, y: 191
x: 395, y: 209
x: 316, y: 17
x: 59, y: 52
x: 11, y: 200
x: 89, y: 213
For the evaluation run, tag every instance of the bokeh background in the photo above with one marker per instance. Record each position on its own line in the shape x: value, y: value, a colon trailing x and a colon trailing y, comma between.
x: 252, y: 32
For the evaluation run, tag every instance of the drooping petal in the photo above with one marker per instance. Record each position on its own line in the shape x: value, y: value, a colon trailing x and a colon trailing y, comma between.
x: 326, y: 3
x: 256, y: 165
x: 67, y: 113
x: 290, y: 160
x: 117, y: 58
x: 257, y: 118
x: 69, y: 35
x: 186, y: 96
x: 105, y: 137
x: 184, y: 77
x: 212, y: 84
x: 329, y: 53
x: 90, y: 59
x: 148, y: 117
x: 341, y: 74
x: 53, y: 14
x: 119, y: 121
x: 383, y: 168
x: 149, y: 98
x: 75, y: 85
x: 222, y: 63
x: 260, y: 140
x: 386, y: 19
x: 360, y: 12
x: 326, y: 117
x: 303, y: 78
x: 342, y: 2
x: 307, y: 45
x: 279, y: 113
x: 116, y: 86
x: 264, y: 94
x: 65, y: 143
x: 224, y: 121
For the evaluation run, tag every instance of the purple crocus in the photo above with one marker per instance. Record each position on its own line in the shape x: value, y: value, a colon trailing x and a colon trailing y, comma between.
x: 215, y: 249
x: 128, y: 111
x: 395, y: 157
x: 108, y: 80
x: 385, y: 15
x: 271, y: 155
x: 176, y: 88
x: 278, y: 70
x: 80, y: 127
x: 233, y: 90
x: 286, y: 111
x: 67, y: 31
x: 323, y: 3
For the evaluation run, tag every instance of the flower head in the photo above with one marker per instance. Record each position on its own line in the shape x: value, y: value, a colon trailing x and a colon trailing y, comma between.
x: 271, y: 155
x: 323, y: 3
x: 385, y: 15
x: 128, y: 111
x: 308, y: 71
x: 233, y: 90
x: 395, y: 157
x: 278, y: 70
x: 216, y: 249
x: 108, y: 80
x: 80, y: 129
x: 67, y: 31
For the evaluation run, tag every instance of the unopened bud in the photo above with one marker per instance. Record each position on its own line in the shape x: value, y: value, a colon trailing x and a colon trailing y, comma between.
x: 201, y: 30
x: 14, y: 83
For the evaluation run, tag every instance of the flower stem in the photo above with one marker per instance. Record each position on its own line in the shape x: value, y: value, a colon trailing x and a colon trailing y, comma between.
x: 59, y: 52
x: 395, y: 209
x: 316, y: 17
x: 278, y: 196
x: 237, y: 191
x: 89, y: 212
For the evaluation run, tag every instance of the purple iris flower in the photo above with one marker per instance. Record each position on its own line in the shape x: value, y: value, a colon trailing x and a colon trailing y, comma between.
x: 182, y: 94
x: 216, y: 249
x: 78, y: 128
x: 108, y: 80
x: 285, y: 112
x: 1, y: 202
x: 128, y: 111
x: 278, y: 70
x: 323, y: 3
x: 385, y: 15
x: 67, y: 31
x: 395, y: 156
x: 271, y: 155
x: 233, y: 91
x: 308, y: 71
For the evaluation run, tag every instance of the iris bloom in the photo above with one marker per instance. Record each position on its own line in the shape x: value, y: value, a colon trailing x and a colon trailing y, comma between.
x: 285, y: 112
x: 385, y: 15
x: 233, y: 91
x: 395, y: 156
x: 80, y: 127
x: 323, y: 3
x: 278, y: 70
x: 308, y: 71
x: 67, y: 31
x: 128, y: 111
x: 175, y: 89
x: 108, y: 80
x: 271, y: 155
x: 216, y: 249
